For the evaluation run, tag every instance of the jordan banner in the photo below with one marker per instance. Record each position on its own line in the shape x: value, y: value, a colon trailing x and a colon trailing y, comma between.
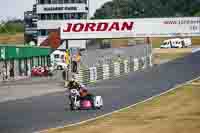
x: 125, y: 28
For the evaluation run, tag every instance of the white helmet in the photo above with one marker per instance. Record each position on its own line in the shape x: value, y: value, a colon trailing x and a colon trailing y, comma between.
x: 82, y: 85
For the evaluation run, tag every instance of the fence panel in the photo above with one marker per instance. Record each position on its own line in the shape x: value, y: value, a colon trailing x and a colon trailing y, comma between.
x: 112, y: 70
x: 2, y: 63
x: 126, y: 66
x: 86, y: 78
x: 122, y: 68
x: 93, y: 74
x: 100, y: 73
x: 116, y: 69
x: 106, y: 73
x: 136, y: 64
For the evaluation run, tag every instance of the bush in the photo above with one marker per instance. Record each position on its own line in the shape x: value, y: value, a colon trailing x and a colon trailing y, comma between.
x: 12, y: 27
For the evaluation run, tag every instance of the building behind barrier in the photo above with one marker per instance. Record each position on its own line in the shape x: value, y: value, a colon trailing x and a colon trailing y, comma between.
x: 46, y: 18
x: 22, y: 59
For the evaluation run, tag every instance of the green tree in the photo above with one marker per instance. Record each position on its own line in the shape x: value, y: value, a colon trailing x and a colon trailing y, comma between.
x: 12, y: 26
x: 197, y: 14
x: 147, y: 8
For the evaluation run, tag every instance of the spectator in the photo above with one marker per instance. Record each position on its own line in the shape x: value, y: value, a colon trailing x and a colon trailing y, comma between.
x: 64, y: 75
x: 74, y: 64
x: 4, y: 73
x: 11, y: 71
x: 0, y: 74
x: 78, y: 60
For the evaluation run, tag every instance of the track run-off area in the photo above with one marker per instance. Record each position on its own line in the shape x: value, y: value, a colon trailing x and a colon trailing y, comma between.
x: 49, y: 111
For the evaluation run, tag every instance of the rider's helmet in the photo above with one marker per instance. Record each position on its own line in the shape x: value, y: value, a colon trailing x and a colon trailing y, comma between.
x: 83, y: 88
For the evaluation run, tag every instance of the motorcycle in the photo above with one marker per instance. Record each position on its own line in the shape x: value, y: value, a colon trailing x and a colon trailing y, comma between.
x: 40, y: 72
x: 81, y: 103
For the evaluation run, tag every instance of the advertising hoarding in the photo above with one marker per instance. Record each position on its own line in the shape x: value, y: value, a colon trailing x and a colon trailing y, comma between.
x: 125, y: 28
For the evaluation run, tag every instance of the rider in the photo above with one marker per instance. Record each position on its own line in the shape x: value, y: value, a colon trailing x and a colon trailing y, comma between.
x: 83, y: 91
x: 84, y: 95
x: 73, y: 85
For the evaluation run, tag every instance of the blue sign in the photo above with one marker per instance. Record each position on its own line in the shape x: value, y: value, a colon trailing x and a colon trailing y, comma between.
x: 73, y: 51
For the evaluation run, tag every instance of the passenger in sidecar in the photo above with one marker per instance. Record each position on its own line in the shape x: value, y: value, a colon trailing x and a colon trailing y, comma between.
x: 80, y: 98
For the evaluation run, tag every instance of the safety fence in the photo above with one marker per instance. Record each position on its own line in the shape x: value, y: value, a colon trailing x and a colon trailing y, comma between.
x: 112, y: 70
x: 21, y: 67
x: 106, y: 56
x: 17, y: 61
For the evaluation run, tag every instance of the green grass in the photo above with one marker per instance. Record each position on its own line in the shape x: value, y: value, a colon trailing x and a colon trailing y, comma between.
x: 12, y: 28
x: 16, y: 39
x: 170, y: 56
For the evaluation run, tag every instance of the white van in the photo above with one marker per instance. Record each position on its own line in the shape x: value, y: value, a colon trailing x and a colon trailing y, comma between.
x: 176, y: 43
x: 187, y: 42
x: 58, y: 60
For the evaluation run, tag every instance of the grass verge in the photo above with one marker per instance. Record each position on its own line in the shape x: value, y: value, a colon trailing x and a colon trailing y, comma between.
x: 156, y: 41
x: 169, y: 54
x: 17, y: 38
x: 176, y: 111
x: 166, y: 56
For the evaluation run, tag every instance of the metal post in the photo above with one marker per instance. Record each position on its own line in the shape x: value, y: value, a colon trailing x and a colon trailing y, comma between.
x: 88, y: 3
x: 67, y: 47
x: 151, y: 47
x: 68, y: 69
x: 151, y: 50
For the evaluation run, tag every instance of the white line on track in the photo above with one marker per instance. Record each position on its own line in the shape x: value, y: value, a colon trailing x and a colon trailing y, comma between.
x: 99, y: 117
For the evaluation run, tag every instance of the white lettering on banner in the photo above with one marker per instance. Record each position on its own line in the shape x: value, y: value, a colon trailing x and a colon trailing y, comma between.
x: 181, y: 22
x: 62, y: 8
x: 104, y: 26
x: 59, y: 8
x: 193, y: 24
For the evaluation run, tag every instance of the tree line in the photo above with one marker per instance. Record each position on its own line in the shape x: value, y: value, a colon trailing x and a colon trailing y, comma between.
x: 147, y: 9
x: 11, y: 26
x: 128, y: 9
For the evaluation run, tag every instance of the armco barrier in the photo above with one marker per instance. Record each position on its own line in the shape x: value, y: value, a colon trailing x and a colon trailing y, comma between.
x: 112, y: 70
x: 131, y: 65
x: 99, y: 73
x: 126, y: 66
x: 93, y: 74
x: 121, y: 68
x: 116, y: 69
x: 106, y: 73
x: 136, y: 64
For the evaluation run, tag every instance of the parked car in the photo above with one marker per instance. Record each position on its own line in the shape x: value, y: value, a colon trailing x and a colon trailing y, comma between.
x: 40, y: 71
x: 61, y: 66
x: 176, y: 43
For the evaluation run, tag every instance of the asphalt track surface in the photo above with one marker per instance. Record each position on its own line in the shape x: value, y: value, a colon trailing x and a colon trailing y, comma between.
x: 49, y: 111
